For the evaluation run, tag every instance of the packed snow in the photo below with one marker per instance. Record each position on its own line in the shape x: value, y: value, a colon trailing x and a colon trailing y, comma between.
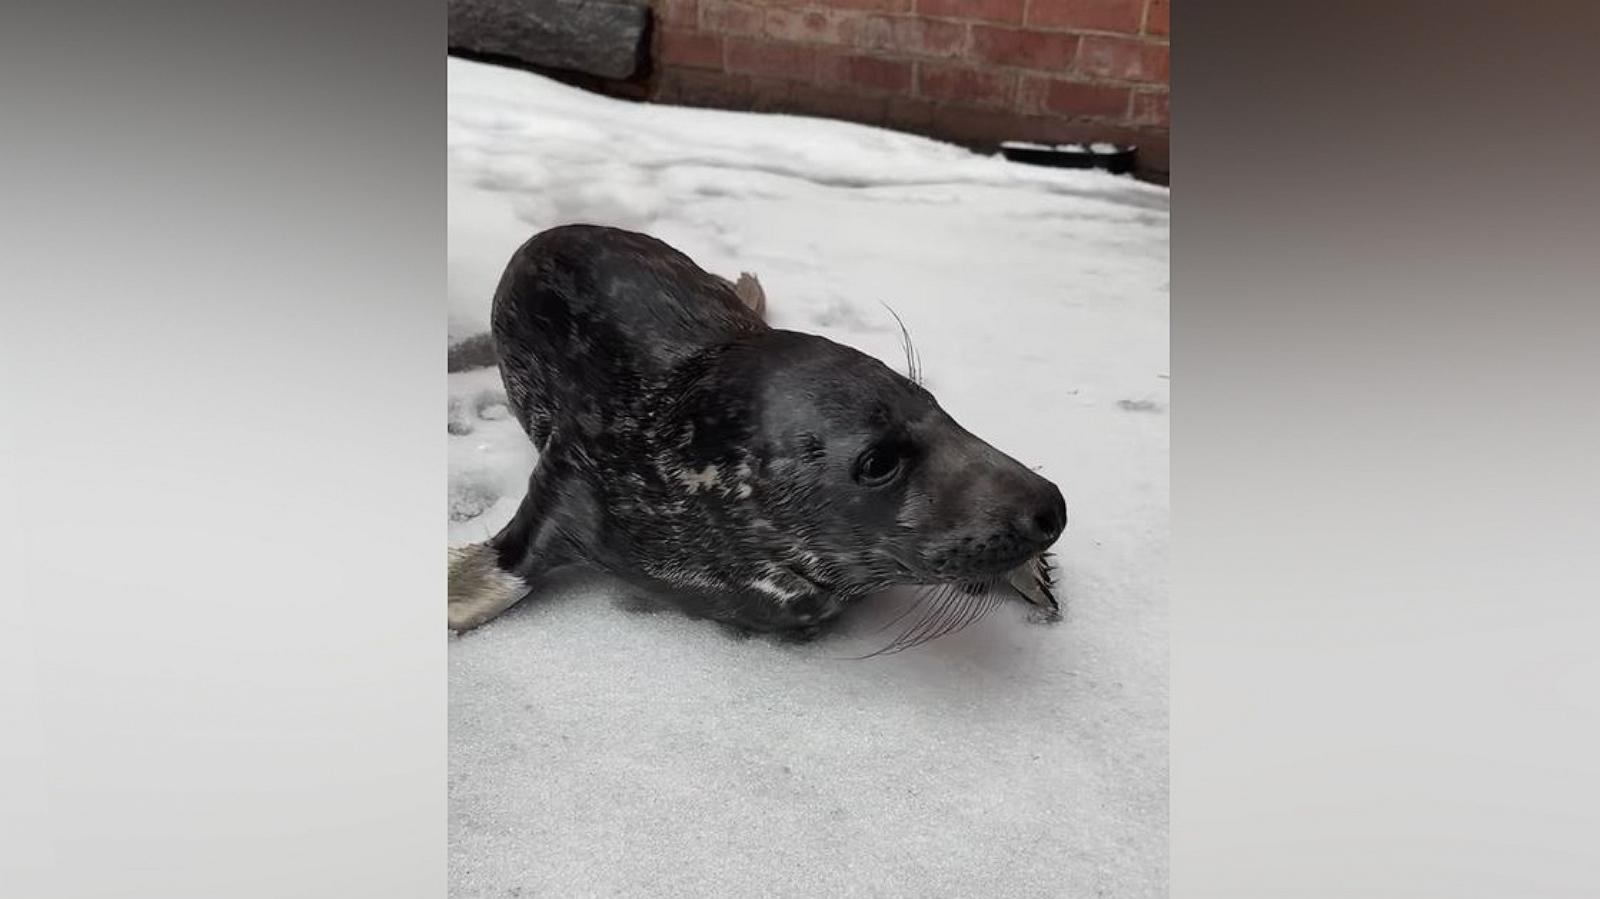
x: 600, y: 751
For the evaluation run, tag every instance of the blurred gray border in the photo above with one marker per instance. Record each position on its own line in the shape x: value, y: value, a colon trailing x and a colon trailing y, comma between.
x: 222, y: 511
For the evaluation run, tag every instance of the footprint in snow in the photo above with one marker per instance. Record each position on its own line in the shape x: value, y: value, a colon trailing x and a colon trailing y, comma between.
x: 471, y: 496
x: 1139, y: 405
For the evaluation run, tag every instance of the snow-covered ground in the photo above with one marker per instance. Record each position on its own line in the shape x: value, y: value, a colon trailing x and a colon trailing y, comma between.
x: 595, y: 751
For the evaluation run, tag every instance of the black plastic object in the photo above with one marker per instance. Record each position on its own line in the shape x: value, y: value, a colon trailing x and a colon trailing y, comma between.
x: 1118, y: 160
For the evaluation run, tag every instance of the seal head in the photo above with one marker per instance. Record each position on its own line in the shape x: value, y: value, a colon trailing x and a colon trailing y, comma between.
x: 831, y: 475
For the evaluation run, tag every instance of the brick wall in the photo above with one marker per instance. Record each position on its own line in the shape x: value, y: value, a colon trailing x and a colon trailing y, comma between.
x: 970, y: 71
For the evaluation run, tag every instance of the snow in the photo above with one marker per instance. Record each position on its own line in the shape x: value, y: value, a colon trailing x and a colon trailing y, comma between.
x: 600, y: 751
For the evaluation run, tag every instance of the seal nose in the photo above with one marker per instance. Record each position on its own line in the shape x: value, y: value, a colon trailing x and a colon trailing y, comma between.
x: 1045, y: 521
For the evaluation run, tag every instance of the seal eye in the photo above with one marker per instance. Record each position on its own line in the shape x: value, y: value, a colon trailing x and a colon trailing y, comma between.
x: 879, y: 465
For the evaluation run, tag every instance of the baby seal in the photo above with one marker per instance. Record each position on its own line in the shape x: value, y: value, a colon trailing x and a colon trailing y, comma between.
x: 760, y: 477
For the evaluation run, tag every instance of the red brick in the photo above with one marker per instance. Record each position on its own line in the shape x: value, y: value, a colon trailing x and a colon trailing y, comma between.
x: 1158, y: 18
x: 930, y: 37
x: 962, y: 84
x: 809, y: 99
x: 1089, y: 101
x: 692, y: 49
x: 905, y: 35
x: 1025, y: 49
x: 1152, y: 108
x: 754, y: 56
x: 1089, y: 15
x: 909, y: 113
x: 678, y: 13
x: 1009, y: 11
x: 1120, y: 58
x: 727, y: 17
x: 869, y: 32
x: 985, y: 128
x: 1031, y: 90
x: 870, y: 5
x: 806, y: 25
x: 771, y: 94
x: 697, y: 87
x: 868, y: 72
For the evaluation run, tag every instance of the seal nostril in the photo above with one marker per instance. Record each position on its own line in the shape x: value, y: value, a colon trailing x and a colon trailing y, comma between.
x: 1048, y: 522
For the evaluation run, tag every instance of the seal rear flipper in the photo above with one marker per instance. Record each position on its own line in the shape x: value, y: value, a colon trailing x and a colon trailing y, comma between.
x: 750, y: 293
x: 486, y: 579
x: 479, y: 589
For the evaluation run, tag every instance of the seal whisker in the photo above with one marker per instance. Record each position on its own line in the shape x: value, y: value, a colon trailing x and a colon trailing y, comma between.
x: 941, y: 592
x: 957, y: 606
x: 990, y: 606
x: 894, y: 645
x: 913, y: 605
x: 984, y: 605
x: 961, y: 617
x: 966, y: 609
x: 952, y: 599
x: 913, y: 357
x: 931, y: 630
x: 925, y: 629
x: 979, y: 593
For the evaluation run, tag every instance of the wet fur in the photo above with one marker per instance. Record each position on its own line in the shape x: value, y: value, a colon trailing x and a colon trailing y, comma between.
x: 706, y: 458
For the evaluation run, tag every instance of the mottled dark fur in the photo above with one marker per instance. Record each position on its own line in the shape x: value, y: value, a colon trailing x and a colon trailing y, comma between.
x: 734, y: 470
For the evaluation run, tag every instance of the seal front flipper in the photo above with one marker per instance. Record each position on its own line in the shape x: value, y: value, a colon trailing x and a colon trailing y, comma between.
x: 486, y: 579
x: 1036, y: 583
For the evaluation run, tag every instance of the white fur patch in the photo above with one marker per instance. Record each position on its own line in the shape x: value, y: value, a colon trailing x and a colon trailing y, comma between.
x: 774, y: 589
x: 705, y: 478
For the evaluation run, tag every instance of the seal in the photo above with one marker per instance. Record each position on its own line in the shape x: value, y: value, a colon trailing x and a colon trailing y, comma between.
x: 760, y: 477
